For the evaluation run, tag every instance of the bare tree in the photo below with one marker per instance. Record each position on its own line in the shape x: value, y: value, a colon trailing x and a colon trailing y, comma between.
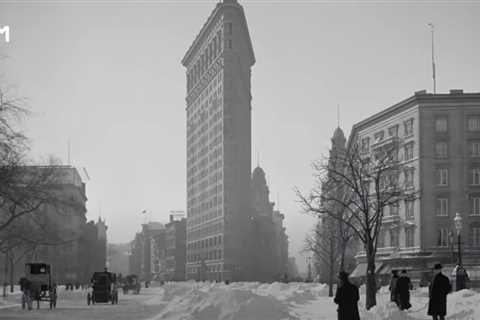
x: 362, y: 185
x: 28, y: 194
x: 328, y: 242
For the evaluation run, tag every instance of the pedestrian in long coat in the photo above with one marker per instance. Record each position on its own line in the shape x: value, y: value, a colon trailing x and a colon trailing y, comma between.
x: 404, y: 285
x: 393, y: 287
x: 438, y: 290
x: 346, y: 298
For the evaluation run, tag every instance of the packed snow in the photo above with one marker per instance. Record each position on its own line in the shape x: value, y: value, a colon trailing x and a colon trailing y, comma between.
x: 253, y: 301
x: 278, y: 301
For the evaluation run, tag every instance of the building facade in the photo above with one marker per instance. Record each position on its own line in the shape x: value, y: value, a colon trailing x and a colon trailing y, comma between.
x: 218, y: 70
x: 270, y: 251
x: 176, y: 249
x: 148, y: 252
x: 439, y: 148
x: 73, y: 247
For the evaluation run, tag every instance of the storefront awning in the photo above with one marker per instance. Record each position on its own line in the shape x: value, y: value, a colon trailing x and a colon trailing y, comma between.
x: 383, y: 268
x: 360, y: 270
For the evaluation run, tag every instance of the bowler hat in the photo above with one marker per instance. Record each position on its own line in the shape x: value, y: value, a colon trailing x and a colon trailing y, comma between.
x: 437, y: 266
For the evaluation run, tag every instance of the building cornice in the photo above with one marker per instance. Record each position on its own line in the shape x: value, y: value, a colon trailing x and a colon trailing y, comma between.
x: 420, y: 98
x: 207, y: 26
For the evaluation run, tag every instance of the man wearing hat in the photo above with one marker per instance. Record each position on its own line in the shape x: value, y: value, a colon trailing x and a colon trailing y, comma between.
x: 438, y: 290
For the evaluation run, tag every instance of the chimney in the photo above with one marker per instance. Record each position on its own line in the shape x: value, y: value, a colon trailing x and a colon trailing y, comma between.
x: 419, y: 93
x: 171, y: 218
x: 456, y: 91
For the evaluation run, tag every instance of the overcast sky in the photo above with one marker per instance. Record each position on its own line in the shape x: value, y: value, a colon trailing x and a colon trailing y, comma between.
x: 108, y: 77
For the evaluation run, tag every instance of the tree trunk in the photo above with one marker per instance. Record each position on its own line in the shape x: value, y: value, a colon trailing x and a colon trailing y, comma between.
x: 371, y: 294
x: 5, y: 275
x: 342, y: 259
x: 331, y: 276
x: 12, y: 269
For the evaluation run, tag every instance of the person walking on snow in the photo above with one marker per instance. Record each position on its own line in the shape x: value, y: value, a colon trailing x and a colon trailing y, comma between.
x: 404, y: 285
x: 438, y: 290
x: 346, y: 298
x: 393, y: 287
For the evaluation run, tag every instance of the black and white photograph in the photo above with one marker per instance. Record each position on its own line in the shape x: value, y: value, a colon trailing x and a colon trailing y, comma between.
x: 240, y: 159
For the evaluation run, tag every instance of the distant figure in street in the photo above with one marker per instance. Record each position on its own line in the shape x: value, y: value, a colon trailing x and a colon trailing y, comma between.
x: 404, y: 285
x: 26, y: 288
x: 347, y: 298
x: 393, y: 287
x: 438, y: 290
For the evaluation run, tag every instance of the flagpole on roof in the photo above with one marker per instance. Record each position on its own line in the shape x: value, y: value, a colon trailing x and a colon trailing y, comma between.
x: 434, y: 77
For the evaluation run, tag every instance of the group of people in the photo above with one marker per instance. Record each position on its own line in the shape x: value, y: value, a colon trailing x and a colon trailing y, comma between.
x: 347, y: 295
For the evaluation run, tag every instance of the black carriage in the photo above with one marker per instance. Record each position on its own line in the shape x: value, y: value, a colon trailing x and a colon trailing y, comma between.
x: 41, y: 286
x: 103, y: 288
x: 131, y: 283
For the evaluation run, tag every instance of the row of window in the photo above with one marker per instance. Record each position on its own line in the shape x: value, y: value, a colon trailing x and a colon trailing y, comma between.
x: 442, y: 176
x: 205, y: 243
x: 212, y: 268
x: 393, y: 209
x: 394, y: 238
x: 209, y: 255
x: 441, y: 149
x: 205, y: 231
x: 442, y: 206
x: 393, y: 132
x: 441, y: 123
x: 446, y: 237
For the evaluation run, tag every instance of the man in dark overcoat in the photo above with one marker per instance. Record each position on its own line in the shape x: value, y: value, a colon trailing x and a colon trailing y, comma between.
x: 393, y: 287
x: 347, y: 298
x: 404, y: 285
x: 438, y: 290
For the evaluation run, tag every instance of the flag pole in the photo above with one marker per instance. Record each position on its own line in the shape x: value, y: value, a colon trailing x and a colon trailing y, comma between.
x: 434, y: 77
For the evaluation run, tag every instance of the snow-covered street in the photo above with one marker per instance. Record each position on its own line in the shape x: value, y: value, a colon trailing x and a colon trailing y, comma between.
x: 237, y: 301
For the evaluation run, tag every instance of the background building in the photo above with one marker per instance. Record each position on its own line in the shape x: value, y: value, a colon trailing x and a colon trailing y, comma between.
x: 148, y: 257
x: 218, y: 111
x: 73, y: 247
x: 176, y: 249
x: 118, y: 258
x: 439, y: 139
x: 270, y: 250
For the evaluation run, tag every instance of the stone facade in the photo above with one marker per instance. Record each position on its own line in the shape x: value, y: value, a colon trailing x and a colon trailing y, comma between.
x: 218, y: 114
x: 439, y: 137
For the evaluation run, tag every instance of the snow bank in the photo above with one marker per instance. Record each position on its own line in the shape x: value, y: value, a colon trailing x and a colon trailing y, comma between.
x: 209, y: 302
x: 278, y: 301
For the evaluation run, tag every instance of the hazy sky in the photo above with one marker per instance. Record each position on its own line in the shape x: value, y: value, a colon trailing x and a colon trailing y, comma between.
x: 107, y: 76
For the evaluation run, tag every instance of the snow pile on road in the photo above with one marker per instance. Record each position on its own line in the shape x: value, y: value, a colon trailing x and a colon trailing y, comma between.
x: 293, y: 301
x: 212, y: 301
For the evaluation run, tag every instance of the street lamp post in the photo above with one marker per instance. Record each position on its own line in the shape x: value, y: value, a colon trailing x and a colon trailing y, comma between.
x: 460, y: 272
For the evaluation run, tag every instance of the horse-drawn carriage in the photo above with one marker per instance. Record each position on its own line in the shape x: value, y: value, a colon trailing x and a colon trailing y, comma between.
x: 103, y: 288
x: 40, y: 285
x: 131, y: 282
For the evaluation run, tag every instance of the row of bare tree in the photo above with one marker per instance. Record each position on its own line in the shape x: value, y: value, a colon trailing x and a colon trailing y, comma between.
x: 352, y: 191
